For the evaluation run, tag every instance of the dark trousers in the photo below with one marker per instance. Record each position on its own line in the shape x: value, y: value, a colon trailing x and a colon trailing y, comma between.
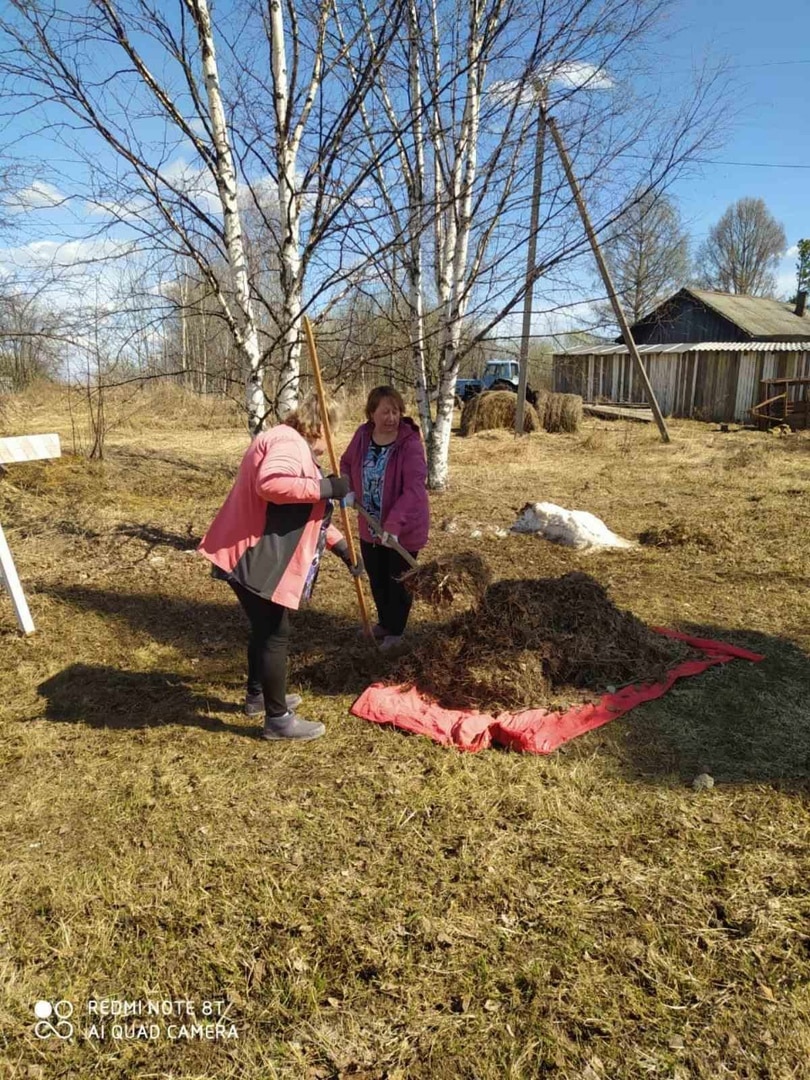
x: 268, y: 646
x: 393, y: 601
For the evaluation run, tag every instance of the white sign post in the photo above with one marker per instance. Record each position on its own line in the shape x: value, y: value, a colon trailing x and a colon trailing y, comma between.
x: 13, y: 450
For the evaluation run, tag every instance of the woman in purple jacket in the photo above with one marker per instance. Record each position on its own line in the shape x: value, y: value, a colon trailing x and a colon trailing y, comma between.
x: 386, y: 466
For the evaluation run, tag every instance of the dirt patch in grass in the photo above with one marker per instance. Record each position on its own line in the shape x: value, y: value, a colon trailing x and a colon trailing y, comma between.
x: 372, y: 905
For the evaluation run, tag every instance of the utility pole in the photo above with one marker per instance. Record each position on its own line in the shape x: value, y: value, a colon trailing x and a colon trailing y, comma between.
x: 531, y: 269
x: 603, y: 269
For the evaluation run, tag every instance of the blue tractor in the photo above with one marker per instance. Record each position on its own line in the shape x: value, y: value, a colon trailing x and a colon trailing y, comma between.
x: 498, y: 375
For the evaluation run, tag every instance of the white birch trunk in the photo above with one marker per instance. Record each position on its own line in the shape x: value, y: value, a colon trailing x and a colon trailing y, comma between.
x: 439, y: 443
x: 452, y: 255
x: 289, y: 197
x: 247, y: 339
x: 290, y: 279
x: 416, y: 213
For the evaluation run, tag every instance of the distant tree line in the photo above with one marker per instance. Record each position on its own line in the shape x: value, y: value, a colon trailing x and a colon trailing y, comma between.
x: 650, y: 253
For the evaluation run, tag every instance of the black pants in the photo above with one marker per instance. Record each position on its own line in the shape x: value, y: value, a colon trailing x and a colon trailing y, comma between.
x: 393, y: 601
x: 268, y: 645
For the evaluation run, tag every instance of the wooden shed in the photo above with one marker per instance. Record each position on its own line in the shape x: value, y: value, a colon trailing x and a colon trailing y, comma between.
x: 709, y: 356
x: 710, y: 380
x: 700, y: 315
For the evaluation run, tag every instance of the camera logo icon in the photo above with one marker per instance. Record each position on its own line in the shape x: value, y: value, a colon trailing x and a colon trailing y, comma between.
x: 53, y: 1018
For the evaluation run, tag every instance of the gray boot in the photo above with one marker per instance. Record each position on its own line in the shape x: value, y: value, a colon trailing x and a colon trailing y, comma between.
x: 254, y: 703
x: 290, y: 726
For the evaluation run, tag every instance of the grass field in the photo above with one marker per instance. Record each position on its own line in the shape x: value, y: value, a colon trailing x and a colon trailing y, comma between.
x: 372, y: 906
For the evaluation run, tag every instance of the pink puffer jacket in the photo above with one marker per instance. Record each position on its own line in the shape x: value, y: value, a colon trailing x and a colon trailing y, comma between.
x: 266, y: 533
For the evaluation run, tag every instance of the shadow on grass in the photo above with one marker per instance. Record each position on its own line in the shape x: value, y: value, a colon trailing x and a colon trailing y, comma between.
x: 105, y: 697
x: 737, y: 722
x: 184, y: 622
x: 155, y: 536
x: 192, y: 624
x: 326, y: 654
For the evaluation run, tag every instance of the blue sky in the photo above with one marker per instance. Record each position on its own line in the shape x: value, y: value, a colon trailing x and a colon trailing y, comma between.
x: 766, y: 126
x: 766, y: 48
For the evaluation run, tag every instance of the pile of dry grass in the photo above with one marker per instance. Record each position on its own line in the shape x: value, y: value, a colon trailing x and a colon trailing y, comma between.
x: 562, y: 412
x: 538, y: 642
x: 442, y: 580
x: 677, y: 535
x: 496, y: 409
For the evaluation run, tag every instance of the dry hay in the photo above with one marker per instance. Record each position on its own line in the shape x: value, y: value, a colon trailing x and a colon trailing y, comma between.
x: 496, y: 409
x: 563, y: 412
x: 468, y: 415
x: 677, y: 535
x: 540, y: 403
x: 11, y: 415
x: 442, y: 580
x: 538, y: 642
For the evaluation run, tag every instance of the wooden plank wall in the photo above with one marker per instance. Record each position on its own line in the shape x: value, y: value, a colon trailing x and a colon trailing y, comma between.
x: 718, y: 385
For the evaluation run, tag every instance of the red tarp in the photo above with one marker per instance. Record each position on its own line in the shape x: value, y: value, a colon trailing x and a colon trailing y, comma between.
x: 533, y: 731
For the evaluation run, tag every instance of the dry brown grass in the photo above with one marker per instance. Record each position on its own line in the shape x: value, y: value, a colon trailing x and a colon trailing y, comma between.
x: 562, y: 412
x: 496, y: 410
x: 370, y: 905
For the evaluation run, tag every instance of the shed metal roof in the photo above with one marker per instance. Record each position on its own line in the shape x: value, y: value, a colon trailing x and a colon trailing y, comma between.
x: 759, y: 316
x: 693, y: 346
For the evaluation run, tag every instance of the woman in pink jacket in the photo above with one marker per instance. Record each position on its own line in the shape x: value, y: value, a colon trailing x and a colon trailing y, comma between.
x: 266, y: 542
x: 386, y: 467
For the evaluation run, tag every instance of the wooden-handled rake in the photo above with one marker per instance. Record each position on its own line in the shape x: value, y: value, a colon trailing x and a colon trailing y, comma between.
x: 330, y: 446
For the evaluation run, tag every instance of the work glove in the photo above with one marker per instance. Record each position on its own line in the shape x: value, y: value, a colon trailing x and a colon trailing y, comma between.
x: 348, y: 501
x: 334, y: 487
x: 389, y: 539
x: 341, y: 549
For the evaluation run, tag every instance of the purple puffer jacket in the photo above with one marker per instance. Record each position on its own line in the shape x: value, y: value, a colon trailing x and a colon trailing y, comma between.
x: 405, y: 511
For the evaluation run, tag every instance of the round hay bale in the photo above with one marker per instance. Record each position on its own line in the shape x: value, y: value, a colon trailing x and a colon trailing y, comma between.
x: 563, y: 412
x: 553, y: 413
x: 497, y: 408
x: 468, y: 415
x: 540, y: 403
x: 571, y: 412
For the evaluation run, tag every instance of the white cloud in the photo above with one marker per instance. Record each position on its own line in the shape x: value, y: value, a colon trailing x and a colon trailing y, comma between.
x: 63, y: 254
x: 786, y: 273
x: 70, y: 273
x: 570, y: 76
x: 786, y: 284
x: 195, y: 181
x: 36, y: 196
x: 118, y: 209
x: 576, y: 74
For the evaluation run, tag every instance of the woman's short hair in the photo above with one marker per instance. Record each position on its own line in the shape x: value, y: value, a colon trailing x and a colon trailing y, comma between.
x: 380, y: 393
x: 306, y: 419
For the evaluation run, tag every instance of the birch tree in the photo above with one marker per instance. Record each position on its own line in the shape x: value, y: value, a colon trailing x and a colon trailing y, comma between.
x: 175, y: 141
x: 461, y: 98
